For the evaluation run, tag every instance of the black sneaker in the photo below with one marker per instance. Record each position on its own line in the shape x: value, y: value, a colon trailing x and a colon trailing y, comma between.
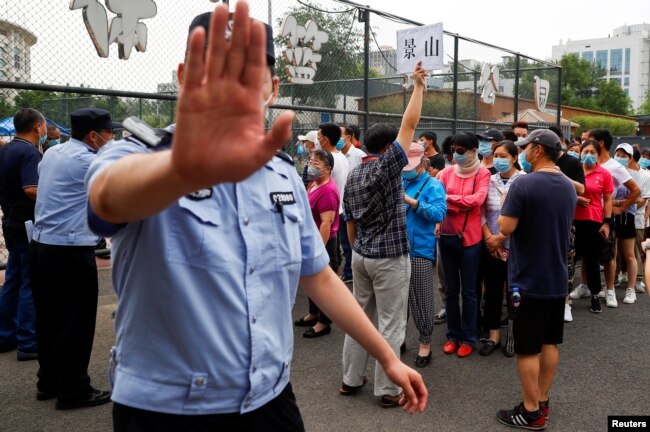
x: 520, y: 418
x: 595, y: 304
x: 440, y: 317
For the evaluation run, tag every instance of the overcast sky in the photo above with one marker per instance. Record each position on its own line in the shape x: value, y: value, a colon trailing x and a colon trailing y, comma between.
x: 64, y: 53
x: 530, y: 27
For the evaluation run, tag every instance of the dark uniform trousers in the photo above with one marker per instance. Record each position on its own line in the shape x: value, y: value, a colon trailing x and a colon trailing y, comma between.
x: 279, y: 415
x: 65, y: 289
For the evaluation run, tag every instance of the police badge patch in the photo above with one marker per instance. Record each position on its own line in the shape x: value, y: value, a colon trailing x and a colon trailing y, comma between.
x: 200, y: 194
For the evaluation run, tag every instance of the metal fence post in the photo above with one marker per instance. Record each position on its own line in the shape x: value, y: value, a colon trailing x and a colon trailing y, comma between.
x: 454, y: 106
x: 559, y: 98
x: 366, y: 68
x: 516, y: 107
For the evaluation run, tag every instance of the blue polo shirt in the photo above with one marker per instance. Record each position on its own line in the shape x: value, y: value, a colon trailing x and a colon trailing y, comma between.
x: 205, y: 291
x: 18, y: 170
x: 61, y: 205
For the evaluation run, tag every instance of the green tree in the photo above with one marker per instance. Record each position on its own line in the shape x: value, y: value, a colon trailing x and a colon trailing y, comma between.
x: 583, y: 86
x: 341, y: 55
x: 645, y: 106
x: 6, y: 109
x: 612, y: 99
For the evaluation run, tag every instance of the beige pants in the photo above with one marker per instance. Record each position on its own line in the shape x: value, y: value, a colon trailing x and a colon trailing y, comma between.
x: 381, y: 286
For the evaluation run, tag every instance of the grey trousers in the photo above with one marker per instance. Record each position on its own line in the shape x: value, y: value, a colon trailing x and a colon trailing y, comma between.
x: 381, y: 288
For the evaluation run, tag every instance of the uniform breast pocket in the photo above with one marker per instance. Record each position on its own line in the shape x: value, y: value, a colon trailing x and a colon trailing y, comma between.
x: 193, y: 232
x: 287, y: 222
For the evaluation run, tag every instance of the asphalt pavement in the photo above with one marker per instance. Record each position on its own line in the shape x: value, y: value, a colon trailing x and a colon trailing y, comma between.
x: 604, y: 370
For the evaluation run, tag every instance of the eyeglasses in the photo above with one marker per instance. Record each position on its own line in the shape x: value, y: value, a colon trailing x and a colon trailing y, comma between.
x: 459, y: 150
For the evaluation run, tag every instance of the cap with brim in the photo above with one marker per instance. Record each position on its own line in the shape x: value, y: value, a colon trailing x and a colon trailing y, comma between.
x: 92, y: 119
x: 492, y: 135
x: 543, y: 137
x: 414, y: 155
x: 310, y: 136
x: 203, y: 20
x: 627, y: 148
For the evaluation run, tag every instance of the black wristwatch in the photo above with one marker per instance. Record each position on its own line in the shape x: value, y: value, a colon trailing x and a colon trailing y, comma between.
x: 608, y: 221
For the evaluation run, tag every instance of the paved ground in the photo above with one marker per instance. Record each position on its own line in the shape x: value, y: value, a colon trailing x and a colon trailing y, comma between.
x: 604, y: 369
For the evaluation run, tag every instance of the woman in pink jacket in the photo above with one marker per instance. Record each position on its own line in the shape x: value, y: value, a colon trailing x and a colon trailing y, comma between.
x: 460, y: 235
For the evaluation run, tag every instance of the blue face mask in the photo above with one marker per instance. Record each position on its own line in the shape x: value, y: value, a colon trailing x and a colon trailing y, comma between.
x: 645, y: 163
x: 502, y: 165
x: 623, y: 161
x: 460, y: 158
x: 42, y: 140
x: 589, y: 160
x: 301, y: 151
x: 410, y: 174
x: 52, y: 143
x: 340, y: 144
x: 525, y: 165
x: 574, y: 154
x: 485, y: 148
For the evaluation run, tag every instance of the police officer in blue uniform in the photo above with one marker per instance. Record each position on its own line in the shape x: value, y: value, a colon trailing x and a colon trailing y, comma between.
x: 63, y: 268
x: 18, y: 188
x: 210, y: 240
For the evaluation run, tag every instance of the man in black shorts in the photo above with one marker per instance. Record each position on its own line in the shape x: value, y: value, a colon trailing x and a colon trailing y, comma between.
x: 543, y: 201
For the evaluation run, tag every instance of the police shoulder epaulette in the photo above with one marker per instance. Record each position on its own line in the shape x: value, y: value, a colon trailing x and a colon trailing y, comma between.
x: 164, y: 142
x: 284, y: 156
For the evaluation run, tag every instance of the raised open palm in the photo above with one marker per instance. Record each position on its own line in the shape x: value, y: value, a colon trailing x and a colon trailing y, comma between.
x: 220, y: 134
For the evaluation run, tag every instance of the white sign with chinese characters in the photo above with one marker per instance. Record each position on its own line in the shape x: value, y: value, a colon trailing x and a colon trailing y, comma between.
x: 541, y: 88
x: 423, y: 44
x: 125, y: 29
x: 303, y: 44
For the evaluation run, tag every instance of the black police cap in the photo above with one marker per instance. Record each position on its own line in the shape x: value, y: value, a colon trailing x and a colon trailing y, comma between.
x: 92, y: 119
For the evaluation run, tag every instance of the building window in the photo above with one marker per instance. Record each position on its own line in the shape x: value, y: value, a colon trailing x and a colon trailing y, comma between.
x: 16, y: 58
x: 627, y: 61
x: 627, y: 92
x: 588, y: 55
x: 626, y: 81
x: 616, y: 61
x: 616, y: 80
x: 601, y: 59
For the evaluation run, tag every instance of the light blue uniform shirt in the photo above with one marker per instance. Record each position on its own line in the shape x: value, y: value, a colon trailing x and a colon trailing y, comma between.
x: 205, y: 291
x: 61, y: 203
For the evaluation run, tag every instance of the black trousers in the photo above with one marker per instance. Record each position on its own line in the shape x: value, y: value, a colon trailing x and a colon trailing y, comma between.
x: 495, y: 276
x: 281, y: 414
x: 589, y: 246
x: 332, y: 248
x: 65, y: 288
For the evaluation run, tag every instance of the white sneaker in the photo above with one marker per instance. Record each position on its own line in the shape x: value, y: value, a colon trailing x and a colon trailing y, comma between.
x: 568, y: 317
x: 639, y: 287
x: 579, y: 292
x: 630, y: 296
x: 622, y: 278
x: 602, y: 292
x: 610, y: 299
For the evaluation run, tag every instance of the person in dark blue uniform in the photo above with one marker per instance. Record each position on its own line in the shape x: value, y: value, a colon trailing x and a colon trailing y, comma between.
x: 210, y: 240
x: 18, y: 187
x: 63, y: 268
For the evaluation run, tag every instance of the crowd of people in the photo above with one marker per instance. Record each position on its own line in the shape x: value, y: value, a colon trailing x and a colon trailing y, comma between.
x: 211, y: 240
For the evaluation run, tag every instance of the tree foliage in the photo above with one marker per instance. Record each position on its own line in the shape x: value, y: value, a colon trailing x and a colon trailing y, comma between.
x: 645, y: 106
x: 617, y: 126
x: 57, y: 106
x: 583, y: 86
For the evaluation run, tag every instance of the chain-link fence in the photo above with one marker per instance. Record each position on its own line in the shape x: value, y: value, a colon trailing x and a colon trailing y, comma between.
x: 50, y: 62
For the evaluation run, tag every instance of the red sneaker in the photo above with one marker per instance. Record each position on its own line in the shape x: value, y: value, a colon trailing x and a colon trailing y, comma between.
x: 465, y: 350
x: 449, y: 347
